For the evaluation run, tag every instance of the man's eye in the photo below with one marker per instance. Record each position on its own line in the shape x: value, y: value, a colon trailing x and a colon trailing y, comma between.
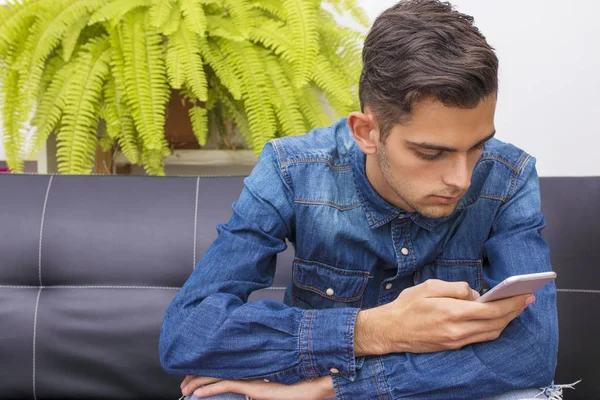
x: 429, y: 157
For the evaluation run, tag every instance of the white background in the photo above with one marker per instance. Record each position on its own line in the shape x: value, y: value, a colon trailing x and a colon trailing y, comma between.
x: 549, y: 54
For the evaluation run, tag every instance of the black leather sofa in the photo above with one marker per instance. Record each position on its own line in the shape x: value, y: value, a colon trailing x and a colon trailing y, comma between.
x: 88, y: 265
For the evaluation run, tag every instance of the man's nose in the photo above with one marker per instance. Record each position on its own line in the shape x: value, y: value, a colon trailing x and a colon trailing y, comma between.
x: 459, y: 174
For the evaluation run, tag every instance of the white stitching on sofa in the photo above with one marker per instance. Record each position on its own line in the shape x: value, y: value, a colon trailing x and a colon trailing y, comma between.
x: 107, y: 287
x: 578, y: 291
x: 88, y: 287
x: 42, y: 231
x: 196, y: 219
x: 37, y: 303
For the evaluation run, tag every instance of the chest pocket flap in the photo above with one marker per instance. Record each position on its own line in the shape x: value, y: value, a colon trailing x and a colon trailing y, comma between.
x: 339, y: 285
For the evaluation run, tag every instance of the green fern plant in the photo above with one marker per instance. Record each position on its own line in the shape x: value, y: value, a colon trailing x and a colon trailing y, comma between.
x: 100, y: 72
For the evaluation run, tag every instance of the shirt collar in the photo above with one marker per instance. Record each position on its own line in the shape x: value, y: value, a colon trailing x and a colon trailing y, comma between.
x: 379, y: 212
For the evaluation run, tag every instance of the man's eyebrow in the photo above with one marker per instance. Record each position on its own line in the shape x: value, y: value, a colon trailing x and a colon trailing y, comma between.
x: 431, y: 146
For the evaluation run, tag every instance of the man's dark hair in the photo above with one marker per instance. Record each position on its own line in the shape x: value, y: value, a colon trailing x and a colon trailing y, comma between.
x: 424, y: 49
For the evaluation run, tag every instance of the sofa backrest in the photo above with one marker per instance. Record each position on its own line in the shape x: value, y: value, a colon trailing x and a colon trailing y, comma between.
x: 88, y: 264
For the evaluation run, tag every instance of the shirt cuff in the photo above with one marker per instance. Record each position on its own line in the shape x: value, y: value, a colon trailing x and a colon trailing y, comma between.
x: 327, y: 343
x: 369, y: 381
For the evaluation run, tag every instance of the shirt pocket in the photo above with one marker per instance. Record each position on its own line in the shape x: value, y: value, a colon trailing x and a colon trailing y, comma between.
x: 319, y: 286
x: 469, y: 271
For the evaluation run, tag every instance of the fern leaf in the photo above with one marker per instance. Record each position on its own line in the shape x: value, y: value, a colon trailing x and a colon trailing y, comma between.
x: 286, y: 105
x: 187, y: 45
x: 235, y: 110
x: 223, y: 27
x: 272, y: 7
x: 153, y: 161
x: 351, y: 7
x: 276, y: 36
x: 145, y: 81
x: 312, y: 108
x: 116, y: 10
x: 301, y: 16
x: 247, y: 62
x: 331, y: 82
x: 15, y: 22
x: 240, y: 15
x: 217, y: 60
x: 160, y: 12
x: 199, y: 119
x: 119, y: 125
x: 72, y: 35
x: 12, y: 137
x: 172, y: 24
x: 50, y: 109
x: 174, y: 63
x: 77, y: 138
x: 193, y: 16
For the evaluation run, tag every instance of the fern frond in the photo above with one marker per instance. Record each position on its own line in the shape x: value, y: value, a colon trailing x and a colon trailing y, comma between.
x: 116, y: 10
x: 217, y: 60
x: 174, y: 63
x: 199, y: 119
x: 351, y: 7
x: 16, y: 20
x: 49, y: 110
x: 276, y: 36
x: 145, y: 82
x: 247, y: 62
x: 187, y: 46
x: 193, y: 16
x: 223, y: 27
x: 77, y: 138
x: 160, y: 12
x: 240, y: 14
x: 235, y: 110
x: 72, y: 35
x: 172, y: 24
x: 331, y: 82
x: 119, y: 124
x: 153, y: 161
x: 272, y: 7
x: 12, y: 137
x: 285, y: 102
x: 312, y: 108
x: 301, y: 16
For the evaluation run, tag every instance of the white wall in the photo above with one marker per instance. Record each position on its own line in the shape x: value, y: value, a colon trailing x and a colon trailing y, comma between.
x: 549, y: 53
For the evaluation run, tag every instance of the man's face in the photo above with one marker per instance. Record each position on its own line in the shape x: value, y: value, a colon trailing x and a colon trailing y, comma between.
x: 426, y: 164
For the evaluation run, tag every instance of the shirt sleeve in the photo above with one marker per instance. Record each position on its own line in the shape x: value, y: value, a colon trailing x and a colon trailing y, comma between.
x: 525, y: 354
x: 210, y: 329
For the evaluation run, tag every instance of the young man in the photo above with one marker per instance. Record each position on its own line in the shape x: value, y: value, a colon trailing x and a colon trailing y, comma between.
x: 398, y: 215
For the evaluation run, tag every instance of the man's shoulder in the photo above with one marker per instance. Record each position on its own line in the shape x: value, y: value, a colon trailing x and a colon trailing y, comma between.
x: 498, y: 172
x: 505, y: 155
x: 330, y: 145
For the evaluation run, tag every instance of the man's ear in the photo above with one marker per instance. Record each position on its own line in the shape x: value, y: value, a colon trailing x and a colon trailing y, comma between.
x: 365, y: 131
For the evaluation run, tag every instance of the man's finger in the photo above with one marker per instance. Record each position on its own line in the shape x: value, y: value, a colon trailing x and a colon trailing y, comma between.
x: 455, y: 290
x: 226, y: 386
x: 497, y: 309
x: 196, y: 382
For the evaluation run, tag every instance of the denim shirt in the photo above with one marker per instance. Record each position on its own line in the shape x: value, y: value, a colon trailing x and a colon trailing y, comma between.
x: 356, y: 251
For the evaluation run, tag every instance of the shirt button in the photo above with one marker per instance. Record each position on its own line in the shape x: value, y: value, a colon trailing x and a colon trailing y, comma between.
x: 330, y: 292
x: 404, y: 251
x: 334, y: 371
x: 266, y: 380
x: 388, y: 286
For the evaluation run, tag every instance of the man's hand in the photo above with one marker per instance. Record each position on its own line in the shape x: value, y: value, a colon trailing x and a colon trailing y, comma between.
x: 317, y: 389
x: 434, y: 316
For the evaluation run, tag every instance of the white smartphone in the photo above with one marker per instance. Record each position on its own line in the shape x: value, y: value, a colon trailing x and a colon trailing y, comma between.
x: 517, y: 285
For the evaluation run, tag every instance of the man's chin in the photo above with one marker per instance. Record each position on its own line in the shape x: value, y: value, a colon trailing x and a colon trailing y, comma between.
x: 435, y: 212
